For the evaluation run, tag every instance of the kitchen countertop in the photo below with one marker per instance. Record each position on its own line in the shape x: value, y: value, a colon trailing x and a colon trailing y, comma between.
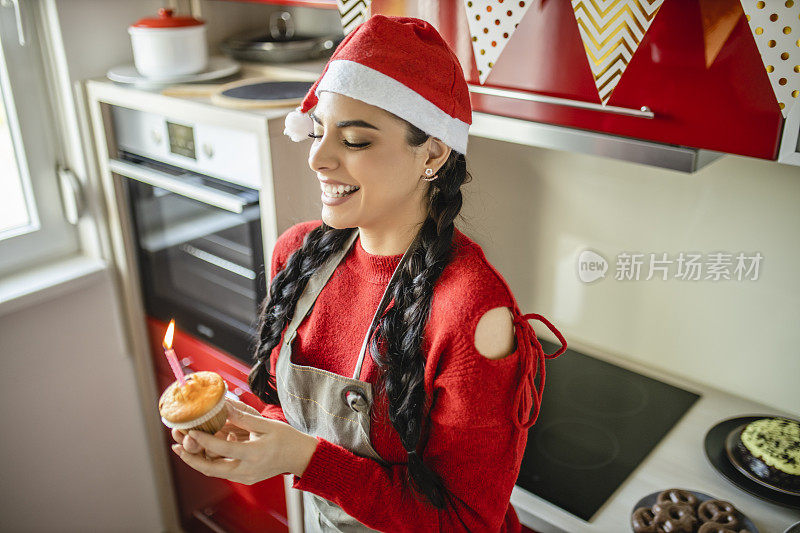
x: 677, y: 461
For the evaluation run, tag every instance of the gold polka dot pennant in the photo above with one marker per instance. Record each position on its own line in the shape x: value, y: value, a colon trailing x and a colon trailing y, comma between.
x: 491, y: 25
x: 776, y: 29
x: 611, y: 31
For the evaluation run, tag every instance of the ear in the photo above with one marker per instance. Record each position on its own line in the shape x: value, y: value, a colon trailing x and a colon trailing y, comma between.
x: 438, y: 152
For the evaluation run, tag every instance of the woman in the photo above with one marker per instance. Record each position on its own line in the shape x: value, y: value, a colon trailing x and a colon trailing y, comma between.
x: 428, y: 433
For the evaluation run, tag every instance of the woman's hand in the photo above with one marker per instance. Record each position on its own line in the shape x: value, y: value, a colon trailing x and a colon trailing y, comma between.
x: 228, y: 432
x: 249, y: 449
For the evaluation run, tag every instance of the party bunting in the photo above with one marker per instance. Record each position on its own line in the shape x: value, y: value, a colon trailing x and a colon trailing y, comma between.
x: 352, y: 13
x: 719, y: 18
x: 776, y: 30
x: 611, y: 31
x: 491, y: 25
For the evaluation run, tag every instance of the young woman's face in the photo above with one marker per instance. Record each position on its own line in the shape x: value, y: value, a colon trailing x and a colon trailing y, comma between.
x: 361, y: 145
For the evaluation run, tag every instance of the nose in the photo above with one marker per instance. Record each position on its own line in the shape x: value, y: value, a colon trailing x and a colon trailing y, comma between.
x: 322, y: 155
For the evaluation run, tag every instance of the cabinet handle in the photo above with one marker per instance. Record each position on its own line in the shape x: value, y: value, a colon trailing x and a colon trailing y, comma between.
x: 156, y: 178
x: 643, y: 112
x: 17, y: 17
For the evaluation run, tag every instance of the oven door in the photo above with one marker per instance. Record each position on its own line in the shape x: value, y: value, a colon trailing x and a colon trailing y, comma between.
x: 200, y: 251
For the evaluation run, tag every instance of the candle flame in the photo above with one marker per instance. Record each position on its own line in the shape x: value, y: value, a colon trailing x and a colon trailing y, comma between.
x: 168, y: 336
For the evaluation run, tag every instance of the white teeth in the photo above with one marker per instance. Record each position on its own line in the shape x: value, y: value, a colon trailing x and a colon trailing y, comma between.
x: 337, y: 191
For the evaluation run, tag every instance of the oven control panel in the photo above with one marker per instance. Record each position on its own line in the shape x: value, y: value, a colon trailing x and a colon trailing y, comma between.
x: 225, y: 153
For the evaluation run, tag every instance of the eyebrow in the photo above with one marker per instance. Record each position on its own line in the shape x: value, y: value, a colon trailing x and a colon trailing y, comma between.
x: 346, y: 123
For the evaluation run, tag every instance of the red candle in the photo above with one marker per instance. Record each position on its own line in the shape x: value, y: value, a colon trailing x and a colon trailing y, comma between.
x: 170, y: 353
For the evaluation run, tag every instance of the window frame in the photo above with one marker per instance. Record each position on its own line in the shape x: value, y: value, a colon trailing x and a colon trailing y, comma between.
x: 33, y: 121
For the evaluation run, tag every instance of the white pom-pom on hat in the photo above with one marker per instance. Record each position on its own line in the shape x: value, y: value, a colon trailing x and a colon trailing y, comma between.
x: 298, y: 125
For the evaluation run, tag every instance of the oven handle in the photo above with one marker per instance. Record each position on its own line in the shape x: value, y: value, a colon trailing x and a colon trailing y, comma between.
x: 201, y: 193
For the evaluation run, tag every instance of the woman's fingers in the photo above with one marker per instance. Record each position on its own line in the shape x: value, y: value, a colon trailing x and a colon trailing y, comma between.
x: 255, y: 423
x: 177, y: 435
x: 181, y: 437
x: 191, y: 445
x: 216, y: 445
x: 241, y: 406
x: 218, y: 467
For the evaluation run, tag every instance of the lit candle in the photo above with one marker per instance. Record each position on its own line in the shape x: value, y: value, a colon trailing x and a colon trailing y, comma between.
x: 170, y: 353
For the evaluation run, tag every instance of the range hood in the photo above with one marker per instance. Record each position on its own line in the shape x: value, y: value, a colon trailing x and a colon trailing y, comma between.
x: 673, y: 157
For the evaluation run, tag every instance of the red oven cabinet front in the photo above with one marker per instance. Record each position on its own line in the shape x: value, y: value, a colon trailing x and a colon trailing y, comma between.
x: 729, y: 107
x: 208, y: 503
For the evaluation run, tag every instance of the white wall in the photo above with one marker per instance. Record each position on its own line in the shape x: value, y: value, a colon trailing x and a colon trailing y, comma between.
x: 74, y: 456
x: 534, y: 210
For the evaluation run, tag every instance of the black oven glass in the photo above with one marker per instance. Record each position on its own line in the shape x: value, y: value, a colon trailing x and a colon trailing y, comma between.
x: 200, y: 264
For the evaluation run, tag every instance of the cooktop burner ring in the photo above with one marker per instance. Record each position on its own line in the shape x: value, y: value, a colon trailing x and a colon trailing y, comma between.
x: 610, y: 396
x: 561, y: 442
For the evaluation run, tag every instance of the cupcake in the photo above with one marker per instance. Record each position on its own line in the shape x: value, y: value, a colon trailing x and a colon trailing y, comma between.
x: 199, y: 404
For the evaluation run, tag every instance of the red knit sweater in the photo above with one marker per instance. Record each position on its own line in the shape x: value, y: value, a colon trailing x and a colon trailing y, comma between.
x: 474, y: 444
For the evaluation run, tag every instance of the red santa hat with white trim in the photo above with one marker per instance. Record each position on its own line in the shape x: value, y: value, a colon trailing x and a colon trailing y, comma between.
x: 402, y: 65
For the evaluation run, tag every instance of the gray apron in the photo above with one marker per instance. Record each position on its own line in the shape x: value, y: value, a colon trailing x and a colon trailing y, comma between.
x: 328, y: 405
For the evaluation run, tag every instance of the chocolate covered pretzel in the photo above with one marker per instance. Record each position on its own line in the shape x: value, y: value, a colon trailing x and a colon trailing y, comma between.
x: 674, y: 517
x: 711, y: 527
x: 678, y: 496
x: 643, y: 520
x: 719, y: 512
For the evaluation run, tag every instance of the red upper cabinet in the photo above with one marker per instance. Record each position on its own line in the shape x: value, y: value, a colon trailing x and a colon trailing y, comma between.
x: 729, y: 107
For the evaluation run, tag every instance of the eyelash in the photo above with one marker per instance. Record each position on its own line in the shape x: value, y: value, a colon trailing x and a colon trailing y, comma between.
x: 348, y: 144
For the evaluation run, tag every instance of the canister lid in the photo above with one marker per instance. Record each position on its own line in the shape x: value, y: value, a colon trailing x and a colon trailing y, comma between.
x: 165, y: 19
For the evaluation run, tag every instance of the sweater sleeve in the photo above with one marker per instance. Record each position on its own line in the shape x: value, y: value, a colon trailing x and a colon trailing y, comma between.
x: 287, y: 242
x: 473, y: 444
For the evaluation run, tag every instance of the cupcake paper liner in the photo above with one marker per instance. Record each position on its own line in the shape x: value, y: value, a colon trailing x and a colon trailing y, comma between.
x: 211, y: 422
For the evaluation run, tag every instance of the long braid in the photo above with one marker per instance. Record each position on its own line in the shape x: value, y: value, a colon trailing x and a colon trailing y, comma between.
x: 402, y: 328
x: 278, y: 308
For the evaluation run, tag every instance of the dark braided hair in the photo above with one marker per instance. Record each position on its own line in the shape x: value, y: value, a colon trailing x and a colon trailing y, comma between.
x: 399, y: 331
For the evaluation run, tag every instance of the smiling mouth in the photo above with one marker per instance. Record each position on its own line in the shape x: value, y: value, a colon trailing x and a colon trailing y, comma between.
x: 338, y: 191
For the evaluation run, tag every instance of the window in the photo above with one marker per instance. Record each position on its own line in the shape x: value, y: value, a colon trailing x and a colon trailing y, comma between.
x: 33, y: 229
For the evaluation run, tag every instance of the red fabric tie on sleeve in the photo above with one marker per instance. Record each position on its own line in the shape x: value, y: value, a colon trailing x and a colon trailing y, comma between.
x: 531, y: 357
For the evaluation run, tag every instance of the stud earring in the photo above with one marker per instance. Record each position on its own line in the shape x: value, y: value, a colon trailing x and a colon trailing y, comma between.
x: 429, y: 172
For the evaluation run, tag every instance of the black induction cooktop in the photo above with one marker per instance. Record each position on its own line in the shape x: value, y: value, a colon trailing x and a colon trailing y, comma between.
x: 597, y: 422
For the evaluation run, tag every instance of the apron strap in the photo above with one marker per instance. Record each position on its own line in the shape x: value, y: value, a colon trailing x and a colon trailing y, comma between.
x: 314, y: 286
x: 531, y: 356
x: 383, y: 306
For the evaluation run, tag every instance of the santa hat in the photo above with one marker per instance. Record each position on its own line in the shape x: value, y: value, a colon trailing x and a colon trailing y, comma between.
x: 402, y: 65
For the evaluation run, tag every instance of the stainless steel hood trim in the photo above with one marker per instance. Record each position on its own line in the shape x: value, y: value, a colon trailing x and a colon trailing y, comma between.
x: 680, y: 158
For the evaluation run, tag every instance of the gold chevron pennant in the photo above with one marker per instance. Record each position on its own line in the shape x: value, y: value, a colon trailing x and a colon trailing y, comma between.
x: 776, y: 30
x: 611, y: 31
x: 352, y: 13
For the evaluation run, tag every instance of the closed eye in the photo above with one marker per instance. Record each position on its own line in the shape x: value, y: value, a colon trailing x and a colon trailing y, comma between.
x: 344, y: 142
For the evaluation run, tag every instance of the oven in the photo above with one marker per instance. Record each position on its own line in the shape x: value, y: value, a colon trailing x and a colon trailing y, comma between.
x: 190, y: 190
x: 197, y: 234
